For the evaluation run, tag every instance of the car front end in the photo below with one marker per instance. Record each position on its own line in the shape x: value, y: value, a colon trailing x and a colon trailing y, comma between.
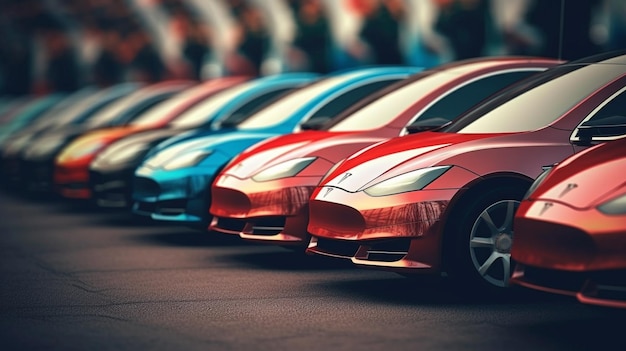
x: 71, y: 165
x: 173, y: 184
x: 571, y: 229
x: 263, y: 195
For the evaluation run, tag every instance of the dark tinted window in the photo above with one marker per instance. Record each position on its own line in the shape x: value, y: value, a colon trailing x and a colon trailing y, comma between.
x: 143, y: 107
x: 347, y: 99
x: 543, y: 104
x: 460, y: 100
x: 612, y: 113
x: 615, y: 107
x: 257, y: 103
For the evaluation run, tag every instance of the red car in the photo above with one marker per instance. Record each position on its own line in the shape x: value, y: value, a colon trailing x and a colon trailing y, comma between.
x: 263, y: 194
x: 570, y: 230
x: 444, y: 201
x: 71, y: 165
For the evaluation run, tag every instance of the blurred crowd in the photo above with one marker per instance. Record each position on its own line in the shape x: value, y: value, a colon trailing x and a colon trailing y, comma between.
x: 63, y: 45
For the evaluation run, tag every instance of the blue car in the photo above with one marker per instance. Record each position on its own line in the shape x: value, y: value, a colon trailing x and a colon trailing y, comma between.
x: 112, y: 171
x: 173, y: 181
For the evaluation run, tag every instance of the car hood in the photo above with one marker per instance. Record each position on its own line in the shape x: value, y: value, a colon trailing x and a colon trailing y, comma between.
x: 228, y: 144
x: 330, y: 146
x: 582, y: 182
x: 94, y: 141
x: 140, y: 141
x: 374, y: 163
x: 57, y: 136
x: 148, y: 136
x: 186, y: 138
x: 112, y: 133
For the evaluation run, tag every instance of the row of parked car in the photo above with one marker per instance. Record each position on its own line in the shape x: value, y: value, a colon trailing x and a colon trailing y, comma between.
x: 396, y: 168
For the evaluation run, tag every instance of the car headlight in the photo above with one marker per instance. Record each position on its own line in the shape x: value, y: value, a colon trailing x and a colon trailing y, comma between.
x: 120, y: 154
x: 77, y: 151
x: 616, y: 206
x: 187, y: 159
x: 538, y: 181
x: 411, y: 181
x: 282, y: 170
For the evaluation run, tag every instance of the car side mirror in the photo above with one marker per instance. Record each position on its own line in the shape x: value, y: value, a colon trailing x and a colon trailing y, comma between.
x: 600, y: 130
x: 427, y: 124
x: 315, y: 124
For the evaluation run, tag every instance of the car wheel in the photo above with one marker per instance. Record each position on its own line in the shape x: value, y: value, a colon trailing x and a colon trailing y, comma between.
x: 480, y: 242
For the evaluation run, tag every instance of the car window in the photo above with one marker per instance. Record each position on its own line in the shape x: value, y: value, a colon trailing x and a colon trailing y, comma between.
x: 543, y: 104
x: 94, y: 108
x: 460, y: 100
x: 282, y: 109
x: 171, y: 105
x: 145, y: 106
x: 255, y: 105
x: 346, y: 99
x: 384, y: 109
x: 206, y: 110
x: 605, y: 113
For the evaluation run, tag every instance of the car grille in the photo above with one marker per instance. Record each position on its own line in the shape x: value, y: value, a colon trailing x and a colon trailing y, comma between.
x: 228, y: 225
x: 388, y: 250
x: 340, y: 248
x: 554, y: 279
x: 268, y: 225
x: 144, y: 187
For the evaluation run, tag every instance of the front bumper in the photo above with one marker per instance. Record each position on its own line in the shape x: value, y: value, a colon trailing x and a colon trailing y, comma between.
x: 72, y: 182
x: 11, y: 178
x: 563, y: 250
x: 112, y: 189
x: 37, y: 176
x: 398, y: 233
x: 552, y: 235
x: 276, y: 215
x: 180, y: 196
x: 602, y: 288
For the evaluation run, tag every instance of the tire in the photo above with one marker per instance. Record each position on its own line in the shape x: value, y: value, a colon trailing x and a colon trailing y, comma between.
x: 478, y: 244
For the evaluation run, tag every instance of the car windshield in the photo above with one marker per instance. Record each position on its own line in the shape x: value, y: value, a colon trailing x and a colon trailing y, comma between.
x: 53, y: 116
x: 283, y: 108
x: 545, y: 102
x: 205, y: 111
x: 111, y: 112
x: 164, y: 109
x: 384, y: 109
x: 76, y: 113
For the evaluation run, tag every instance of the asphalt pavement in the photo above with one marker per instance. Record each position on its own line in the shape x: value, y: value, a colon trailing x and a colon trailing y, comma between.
x: 77, y: 278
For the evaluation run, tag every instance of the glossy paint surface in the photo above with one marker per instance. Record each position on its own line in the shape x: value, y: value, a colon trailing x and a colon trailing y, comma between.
x: 561, y: 229
x: 179, y: 195
x: 276, y: 210
x: 112, y: 171
x: 354, y: 213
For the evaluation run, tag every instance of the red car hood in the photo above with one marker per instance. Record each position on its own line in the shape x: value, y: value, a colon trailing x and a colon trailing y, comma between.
x: 331, y: 146
x: 371, y: 162
x: 587, y: 179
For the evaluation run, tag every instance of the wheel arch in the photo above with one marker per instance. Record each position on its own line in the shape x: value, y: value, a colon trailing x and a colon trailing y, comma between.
x: 471, y: 190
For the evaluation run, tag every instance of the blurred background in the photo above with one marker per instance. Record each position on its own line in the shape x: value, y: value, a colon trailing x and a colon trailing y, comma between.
x: 63, y: 45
